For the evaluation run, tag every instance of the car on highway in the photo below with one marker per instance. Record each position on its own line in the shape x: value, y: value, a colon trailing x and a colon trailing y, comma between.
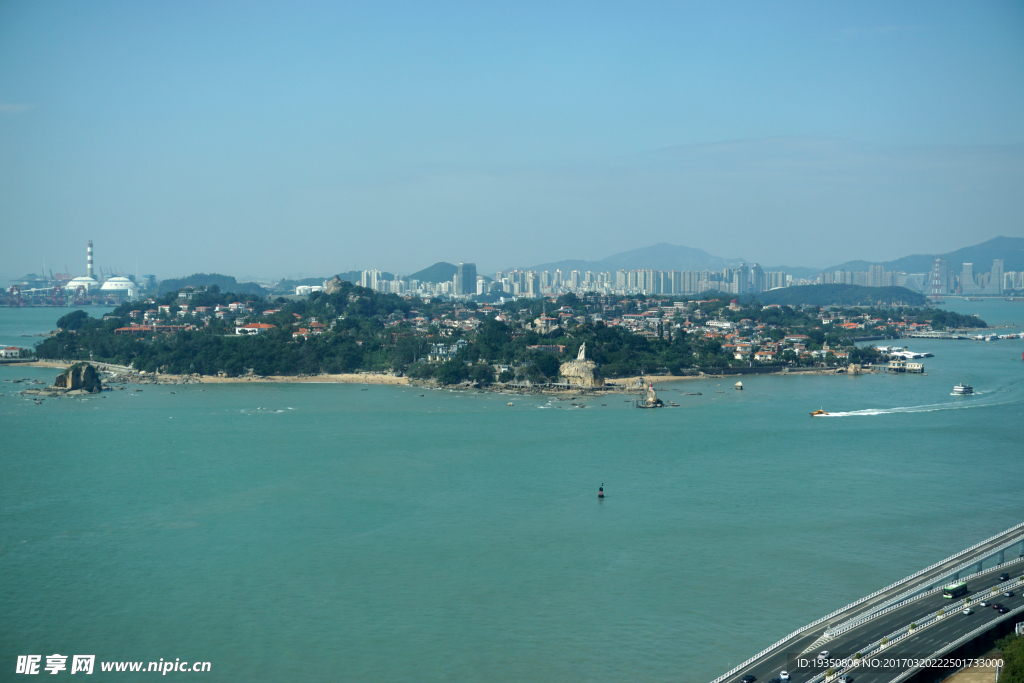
x: 1004, y: 576
x: 968, y: 611
x: 846, y: 678
x: 784, y: 675
x: 983, y: 603
x: 1004, y: 610
x: 996, y: 606
x: 823, y: 654
x: 1008, y: 594
x: 749, y: 678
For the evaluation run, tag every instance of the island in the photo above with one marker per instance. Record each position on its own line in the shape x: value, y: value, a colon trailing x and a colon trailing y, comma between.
x: 585, y: 342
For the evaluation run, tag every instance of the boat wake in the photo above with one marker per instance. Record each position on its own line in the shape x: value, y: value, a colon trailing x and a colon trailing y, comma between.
x: 921, y: 409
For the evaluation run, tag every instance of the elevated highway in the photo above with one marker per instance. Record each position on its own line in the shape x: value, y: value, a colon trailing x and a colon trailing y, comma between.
x: 889, y: 613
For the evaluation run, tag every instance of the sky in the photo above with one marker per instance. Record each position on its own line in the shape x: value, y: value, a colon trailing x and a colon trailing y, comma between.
x: 268, y: 140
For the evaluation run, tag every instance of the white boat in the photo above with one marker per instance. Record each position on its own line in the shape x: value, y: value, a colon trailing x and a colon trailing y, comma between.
x: 963, y: 390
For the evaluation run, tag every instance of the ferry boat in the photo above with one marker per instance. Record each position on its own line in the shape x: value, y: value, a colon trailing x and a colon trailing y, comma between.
x: 963, y: 390
x: 818, y: 413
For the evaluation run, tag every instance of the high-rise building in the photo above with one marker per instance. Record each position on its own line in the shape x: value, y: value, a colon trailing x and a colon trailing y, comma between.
x: 532, y: 284
x: 742, y: 283
x: 876, y: 276
x: 967, y: 283
x: 757, y: 280
x: 465, y: 279
x: 776, y: 279
x: 369, y: 279
x: 996, y: 281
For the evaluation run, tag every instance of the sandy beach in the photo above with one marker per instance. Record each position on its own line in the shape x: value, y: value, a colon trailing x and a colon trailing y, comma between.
x: 347, y: 378
x: 615, y: 385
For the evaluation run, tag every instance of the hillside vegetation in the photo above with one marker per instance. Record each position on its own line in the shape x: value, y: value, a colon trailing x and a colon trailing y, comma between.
x: 842, y: 295
x: 226, y: 283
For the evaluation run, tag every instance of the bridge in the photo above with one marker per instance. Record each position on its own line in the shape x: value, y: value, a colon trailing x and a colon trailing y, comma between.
x: 894, y: 628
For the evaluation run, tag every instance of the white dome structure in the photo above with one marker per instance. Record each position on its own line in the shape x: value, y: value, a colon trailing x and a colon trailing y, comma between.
x: 121, y: 286
x: 87, y: 282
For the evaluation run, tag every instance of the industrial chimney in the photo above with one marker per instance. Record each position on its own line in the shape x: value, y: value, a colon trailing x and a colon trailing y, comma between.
x: 89, y: 265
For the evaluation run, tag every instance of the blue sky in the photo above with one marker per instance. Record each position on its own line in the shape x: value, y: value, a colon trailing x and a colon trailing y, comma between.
x: 277, y: 139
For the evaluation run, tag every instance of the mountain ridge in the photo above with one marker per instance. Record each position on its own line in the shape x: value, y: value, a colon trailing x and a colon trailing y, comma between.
x: 664, y: 256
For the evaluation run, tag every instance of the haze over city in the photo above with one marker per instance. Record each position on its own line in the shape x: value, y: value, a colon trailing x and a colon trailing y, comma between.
x: 264, y: 141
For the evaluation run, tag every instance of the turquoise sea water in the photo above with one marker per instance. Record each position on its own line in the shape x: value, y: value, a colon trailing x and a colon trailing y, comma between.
x: 329, y: 532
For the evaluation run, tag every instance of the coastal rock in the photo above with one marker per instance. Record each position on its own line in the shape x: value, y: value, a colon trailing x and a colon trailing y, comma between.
x: 81, y: 376
x: 652, y: 400
x: 581, y: 372
x: 332, y: 286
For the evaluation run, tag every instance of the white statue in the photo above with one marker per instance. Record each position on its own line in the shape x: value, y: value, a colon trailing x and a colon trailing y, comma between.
x: 582, y: 355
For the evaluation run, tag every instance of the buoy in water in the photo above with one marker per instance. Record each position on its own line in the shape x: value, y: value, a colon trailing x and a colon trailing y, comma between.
x: 600, y: 491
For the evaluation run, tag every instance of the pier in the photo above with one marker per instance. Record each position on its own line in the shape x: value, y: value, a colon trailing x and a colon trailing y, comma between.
x: 899, y: 366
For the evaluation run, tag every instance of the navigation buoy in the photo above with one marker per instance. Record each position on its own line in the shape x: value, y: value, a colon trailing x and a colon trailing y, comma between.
x: 600, y: 491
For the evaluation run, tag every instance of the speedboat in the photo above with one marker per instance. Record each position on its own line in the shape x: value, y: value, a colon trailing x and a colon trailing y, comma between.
x: 963, y: 390
x: 818, y: 413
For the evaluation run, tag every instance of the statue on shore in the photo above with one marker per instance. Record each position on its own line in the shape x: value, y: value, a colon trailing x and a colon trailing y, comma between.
x: 652, y: 397
x: 581, y: 372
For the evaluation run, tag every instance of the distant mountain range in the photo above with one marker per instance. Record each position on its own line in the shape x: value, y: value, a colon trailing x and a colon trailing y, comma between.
x: 441, y: 271
x: 664, y: 256
x: 1010, y: 249
x: 660, y: 256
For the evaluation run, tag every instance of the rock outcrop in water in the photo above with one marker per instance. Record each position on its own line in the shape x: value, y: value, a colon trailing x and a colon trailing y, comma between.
x: 80, y: 377
x: 581, y: 372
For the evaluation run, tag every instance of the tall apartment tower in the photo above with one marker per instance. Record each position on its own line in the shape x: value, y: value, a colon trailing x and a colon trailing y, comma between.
x: 466, y: 279
x: 370, y: 278
x: 742, y: 282
x: 967, y: 283
x: 876, y: 276
x: 996, y: 282
x: 757, y: 279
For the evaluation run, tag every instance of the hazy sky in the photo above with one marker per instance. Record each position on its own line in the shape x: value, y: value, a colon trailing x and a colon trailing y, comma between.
x: 277, y: 139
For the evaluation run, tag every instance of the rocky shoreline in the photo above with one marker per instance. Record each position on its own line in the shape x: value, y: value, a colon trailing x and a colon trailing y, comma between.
x: 116, y: 378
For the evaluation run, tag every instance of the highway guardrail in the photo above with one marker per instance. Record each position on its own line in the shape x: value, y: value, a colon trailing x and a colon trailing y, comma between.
x: 958, y: 642
x: 905, y: 631
x: 825, y: 618
x: 859, y: 621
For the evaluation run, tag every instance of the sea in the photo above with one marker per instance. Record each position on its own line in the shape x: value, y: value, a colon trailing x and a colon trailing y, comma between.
x: 338, y: 532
